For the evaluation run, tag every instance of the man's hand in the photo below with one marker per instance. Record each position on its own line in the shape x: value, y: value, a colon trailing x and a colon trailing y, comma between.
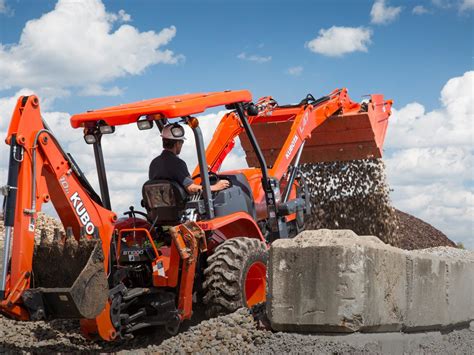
x: 220, y: 185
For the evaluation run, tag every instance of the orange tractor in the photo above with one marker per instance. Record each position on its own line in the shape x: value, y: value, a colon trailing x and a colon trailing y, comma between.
x: 118, y: 275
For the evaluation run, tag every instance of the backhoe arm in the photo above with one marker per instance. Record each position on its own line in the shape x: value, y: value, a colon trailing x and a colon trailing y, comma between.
x: 45, y: 173
x: 223, y: 141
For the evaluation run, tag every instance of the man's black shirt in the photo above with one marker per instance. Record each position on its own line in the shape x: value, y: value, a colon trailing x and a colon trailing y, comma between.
x: 169, y: 167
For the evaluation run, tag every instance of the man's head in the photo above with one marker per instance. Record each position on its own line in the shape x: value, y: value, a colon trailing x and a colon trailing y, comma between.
x: 173, y: 137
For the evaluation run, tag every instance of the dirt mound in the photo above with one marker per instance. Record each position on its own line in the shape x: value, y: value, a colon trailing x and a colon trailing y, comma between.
x: 416, y: 234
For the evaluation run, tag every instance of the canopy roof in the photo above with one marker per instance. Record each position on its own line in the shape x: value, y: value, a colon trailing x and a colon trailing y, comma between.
x: 169, y: 107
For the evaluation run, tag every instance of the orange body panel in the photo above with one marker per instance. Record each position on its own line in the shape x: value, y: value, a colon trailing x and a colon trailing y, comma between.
x: 168, y: 107
x: 234, y: 225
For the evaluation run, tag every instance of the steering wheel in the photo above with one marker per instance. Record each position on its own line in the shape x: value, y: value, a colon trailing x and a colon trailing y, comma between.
x: 213, y: 178
x: 131, y: 213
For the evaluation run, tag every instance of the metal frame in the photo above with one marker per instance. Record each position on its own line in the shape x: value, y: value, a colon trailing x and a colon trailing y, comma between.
x: 206, y: 185
x: 270, y: 186
x: 101, y: 173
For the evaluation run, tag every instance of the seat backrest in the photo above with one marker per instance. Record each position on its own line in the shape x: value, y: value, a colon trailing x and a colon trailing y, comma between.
x: 164, y: 200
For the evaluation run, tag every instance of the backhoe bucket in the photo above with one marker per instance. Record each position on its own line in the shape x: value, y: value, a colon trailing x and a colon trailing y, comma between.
x: 352, y: 136
x: 69, y: 280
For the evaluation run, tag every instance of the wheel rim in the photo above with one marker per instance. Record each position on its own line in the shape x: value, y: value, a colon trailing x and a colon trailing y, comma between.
x: 255, y: 284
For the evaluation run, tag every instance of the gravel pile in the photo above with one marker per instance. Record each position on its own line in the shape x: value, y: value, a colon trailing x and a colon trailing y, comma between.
x: 43, y: 223
x: 416, y: 234
x: 236, y: 332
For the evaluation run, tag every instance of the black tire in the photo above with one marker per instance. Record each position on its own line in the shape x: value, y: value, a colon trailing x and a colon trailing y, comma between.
x: 226, y: 274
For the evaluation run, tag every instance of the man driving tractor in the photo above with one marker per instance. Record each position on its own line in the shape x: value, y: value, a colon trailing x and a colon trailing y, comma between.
x: 169, y: 166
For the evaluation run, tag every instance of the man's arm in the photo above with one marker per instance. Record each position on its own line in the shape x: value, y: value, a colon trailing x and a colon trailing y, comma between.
x: 183, y: 176
x: 220, y: 185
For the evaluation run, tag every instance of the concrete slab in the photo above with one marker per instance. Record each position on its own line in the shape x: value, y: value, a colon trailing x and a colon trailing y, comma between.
x: 336, y: 281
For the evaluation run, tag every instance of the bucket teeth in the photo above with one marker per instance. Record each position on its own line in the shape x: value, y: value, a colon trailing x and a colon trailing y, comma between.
x: 43, y: 237
x: 69, y: 233
x: 56, y: 235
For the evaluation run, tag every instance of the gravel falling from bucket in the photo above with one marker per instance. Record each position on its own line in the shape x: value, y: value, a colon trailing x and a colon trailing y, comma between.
x: 351, y: 195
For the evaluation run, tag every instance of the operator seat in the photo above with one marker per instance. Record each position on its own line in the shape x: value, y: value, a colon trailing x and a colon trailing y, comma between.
x: 164, y: 201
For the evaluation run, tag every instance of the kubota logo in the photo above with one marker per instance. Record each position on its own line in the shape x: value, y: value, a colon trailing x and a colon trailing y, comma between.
x: 291, y: 147
x: 82, y: 213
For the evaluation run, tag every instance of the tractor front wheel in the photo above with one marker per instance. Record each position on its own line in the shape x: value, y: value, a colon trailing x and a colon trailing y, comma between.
x: 235, y: 276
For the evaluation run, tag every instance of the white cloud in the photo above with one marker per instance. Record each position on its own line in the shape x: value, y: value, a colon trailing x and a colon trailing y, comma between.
x: 99, y: 90
x: 121, y: 16
x: 420, y: 10
x: 5, y: 9
x: 254, y: 58
x: 461, y: 5
x: 443, y: 3
x: 430, y: 160
x: 75, y: 45
x: 337, y: 41
x: 295, y: 71
x: 383, y: 14
x: 451, y: 125
x: 466, y: 5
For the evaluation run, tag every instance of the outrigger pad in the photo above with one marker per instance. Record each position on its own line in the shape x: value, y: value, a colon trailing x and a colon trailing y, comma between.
x: 54, y: 295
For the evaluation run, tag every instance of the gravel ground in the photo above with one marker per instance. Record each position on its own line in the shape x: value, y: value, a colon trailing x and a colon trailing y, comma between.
x: 234, y: 333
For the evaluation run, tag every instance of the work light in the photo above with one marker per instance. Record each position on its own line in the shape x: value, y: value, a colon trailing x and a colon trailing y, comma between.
x: 90, y: 138
x: 144, y: 124
x: 107, y: 129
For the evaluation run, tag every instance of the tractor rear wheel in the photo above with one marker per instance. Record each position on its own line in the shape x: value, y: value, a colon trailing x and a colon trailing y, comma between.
x: 235, y: 276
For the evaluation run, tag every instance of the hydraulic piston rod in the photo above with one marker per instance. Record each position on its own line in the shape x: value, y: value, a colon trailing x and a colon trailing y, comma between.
x: 10, y: 191
x: 292, y: 176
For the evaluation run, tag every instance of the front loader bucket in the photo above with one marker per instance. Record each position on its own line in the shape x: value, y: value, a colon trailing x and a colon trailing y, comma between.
x: 69, y: 280
x: 352, y: 136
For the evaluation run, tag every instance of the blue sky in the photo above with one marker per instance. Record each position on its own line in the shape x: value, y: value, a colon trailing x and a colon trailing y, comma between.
x: 78, y: 55
x: 211, y: 34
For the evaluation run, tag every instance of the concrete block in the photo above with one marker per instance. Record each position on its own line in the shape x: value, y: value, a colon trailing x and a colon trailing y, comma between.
x: 324, y: 281
x: 427, y: 303
x: 460, y: 291
x: 336, y: 281
x: 440, y: 288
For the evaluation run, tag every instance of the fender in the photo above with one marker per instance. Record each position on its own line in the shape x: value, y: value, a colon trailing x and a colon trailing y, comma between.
x: 239, y: 224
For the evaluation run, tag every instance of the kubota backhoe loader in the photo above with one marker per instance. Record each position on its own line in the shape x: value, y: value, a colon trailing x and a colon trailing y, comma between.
x: 118, y: 275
